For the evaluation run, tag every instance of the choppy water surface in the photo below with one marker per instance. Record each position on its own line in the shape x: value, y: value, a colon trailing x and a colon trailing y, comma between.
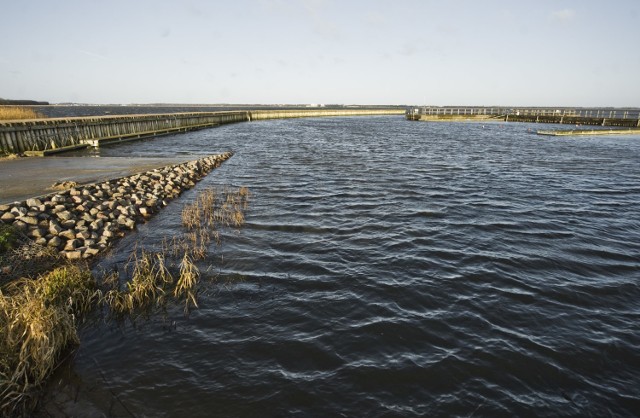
x: 394, y: 268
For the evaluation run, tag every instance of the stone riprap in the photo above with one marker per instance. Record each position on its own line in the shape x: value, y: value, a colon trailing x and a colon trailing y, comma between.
x: 84, y: 220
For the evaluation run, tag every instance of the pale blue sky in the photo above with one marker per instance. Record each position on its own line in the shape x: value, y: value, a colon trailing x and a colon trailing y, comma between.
x: 465, y: 52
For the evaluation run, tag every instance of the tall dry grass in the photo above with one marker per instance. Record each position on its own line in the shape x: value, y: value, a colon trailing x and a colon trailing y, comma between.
x: 211, y: 209
x: 146, y: 289
x: 38, y: 322
x: 19, y: 112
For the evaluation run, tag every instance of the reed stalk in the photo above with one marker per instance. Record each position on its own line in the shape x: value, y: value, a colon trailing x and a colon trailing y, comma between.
x: 186, y: 287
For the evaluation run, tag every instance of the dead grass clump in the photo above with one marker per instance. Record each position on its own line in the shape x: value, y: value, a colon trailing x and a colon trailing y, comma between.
x: 18, y: 112
x: 38, y: 320
x: 210, y: 209
x: 145, y: 290
x: 151, y: 280
x: 187, y: 283
x: 22, y: 257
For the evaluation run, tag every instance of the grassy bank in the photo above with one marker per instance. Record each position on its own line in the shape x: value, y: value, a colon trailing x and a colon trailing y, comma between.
x: 40, y: 315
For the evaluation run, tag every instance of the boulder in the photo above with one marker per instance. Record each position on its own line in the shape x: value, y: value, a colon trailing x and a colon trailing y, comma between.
x: 83, y: 235
x: 20, y: 226
x: 55, y: 242
x: 58, y: 199
x: 90, y: 252
x: 29, y: 220
x: 72, y: 244
x: 8, y: 217
x: 67, y: 234
x: 19, y: 211
x: 36, y: 233
x: 64, y: 215
x: 32, y: 203
x: 71, y: 223
x: 72, y: 255
x: 54, y: 228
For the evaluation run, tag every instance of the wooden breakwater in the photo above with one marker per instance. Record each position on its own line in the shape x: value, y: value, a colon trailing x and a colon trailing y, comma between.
x: 587, y: 132
x: 20, y: 136
x: 44, y: 136
x: 593, y: 117
x: 303, y: 113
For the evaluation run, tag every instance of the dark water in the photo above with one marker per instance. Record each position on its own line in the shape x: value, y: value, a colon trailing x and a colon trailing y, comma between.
x: 393, y: 268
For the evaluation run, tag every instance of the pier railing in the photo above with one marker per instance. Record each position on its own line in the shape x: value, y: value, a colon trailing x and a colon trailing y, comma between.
x: 527, y: 111
x: 629, y: 118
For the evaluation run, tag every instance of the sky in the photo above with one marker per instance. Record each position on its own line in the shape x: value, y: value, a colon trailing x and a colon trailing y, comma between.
x: 421, y: 52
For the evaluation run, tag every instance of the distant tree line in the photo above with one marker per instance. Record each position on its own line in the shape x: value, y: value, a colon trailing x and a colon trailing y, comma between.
x: 8, y: 102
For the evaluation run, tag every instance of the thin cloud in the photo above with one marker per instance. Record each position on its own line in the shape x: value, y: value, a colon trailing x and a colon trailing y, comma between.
x: 562, y: 15
x: 92, y: 54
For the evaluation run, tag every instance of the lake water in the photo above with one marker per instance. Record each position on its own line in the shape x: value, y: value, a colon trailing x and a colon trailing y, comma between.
x: 391, y: 268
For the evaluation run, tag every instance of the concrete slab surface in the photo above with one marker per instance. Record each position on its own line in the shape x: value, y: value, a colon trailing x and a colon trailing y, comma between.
x: 23, y: 178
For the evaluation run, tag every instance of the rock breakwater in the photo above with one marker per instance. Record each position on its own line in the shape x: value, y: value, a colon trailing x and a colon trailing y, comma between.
x: 83, y: 221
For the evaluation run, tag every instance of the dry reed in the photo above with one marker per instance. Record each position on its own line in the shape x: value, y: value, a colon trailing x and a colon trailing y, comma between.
x: 146, y: 289
x: 187, y: 283
x: 38, y: 320
x: 18, y: 113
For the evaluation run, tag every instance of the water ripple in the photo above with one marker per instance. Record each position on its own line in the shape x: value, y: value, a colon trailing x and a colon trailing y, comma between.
x: 390, y: 268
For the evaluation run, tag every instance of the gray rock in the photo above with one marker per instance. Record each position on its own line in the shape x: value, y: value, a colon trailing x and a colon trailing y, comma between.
x: 29, y: 220
x: 55, y: 242
x: 8, y: 217
x: 72, y: 244
x: 59, y: 208
x: 20, y: 226
x: 146, y: 212
x: 19, y: 211
x: 90, y: 252
x: 36, y: 233
x: 83, y: 235
x: 58, y: 199
x: 67, y: 234
x: 72, y: 255
x: 96, y: 225
x: 71, y: 223
x: 33, y: 202
x: 54, y: 228
x: 64, y: 215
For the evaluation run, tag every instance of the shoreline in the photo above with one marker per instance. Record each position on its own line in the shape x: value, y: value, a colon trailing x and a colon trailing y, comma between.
x: 23, y: 178
x: 83, y: 221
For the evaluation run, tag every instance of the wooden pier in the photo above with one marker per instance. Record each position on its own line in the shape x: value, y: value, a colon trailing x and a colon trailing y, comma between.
x: 628, y: 118
x: 45, y: 136
x: 589, y: 132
